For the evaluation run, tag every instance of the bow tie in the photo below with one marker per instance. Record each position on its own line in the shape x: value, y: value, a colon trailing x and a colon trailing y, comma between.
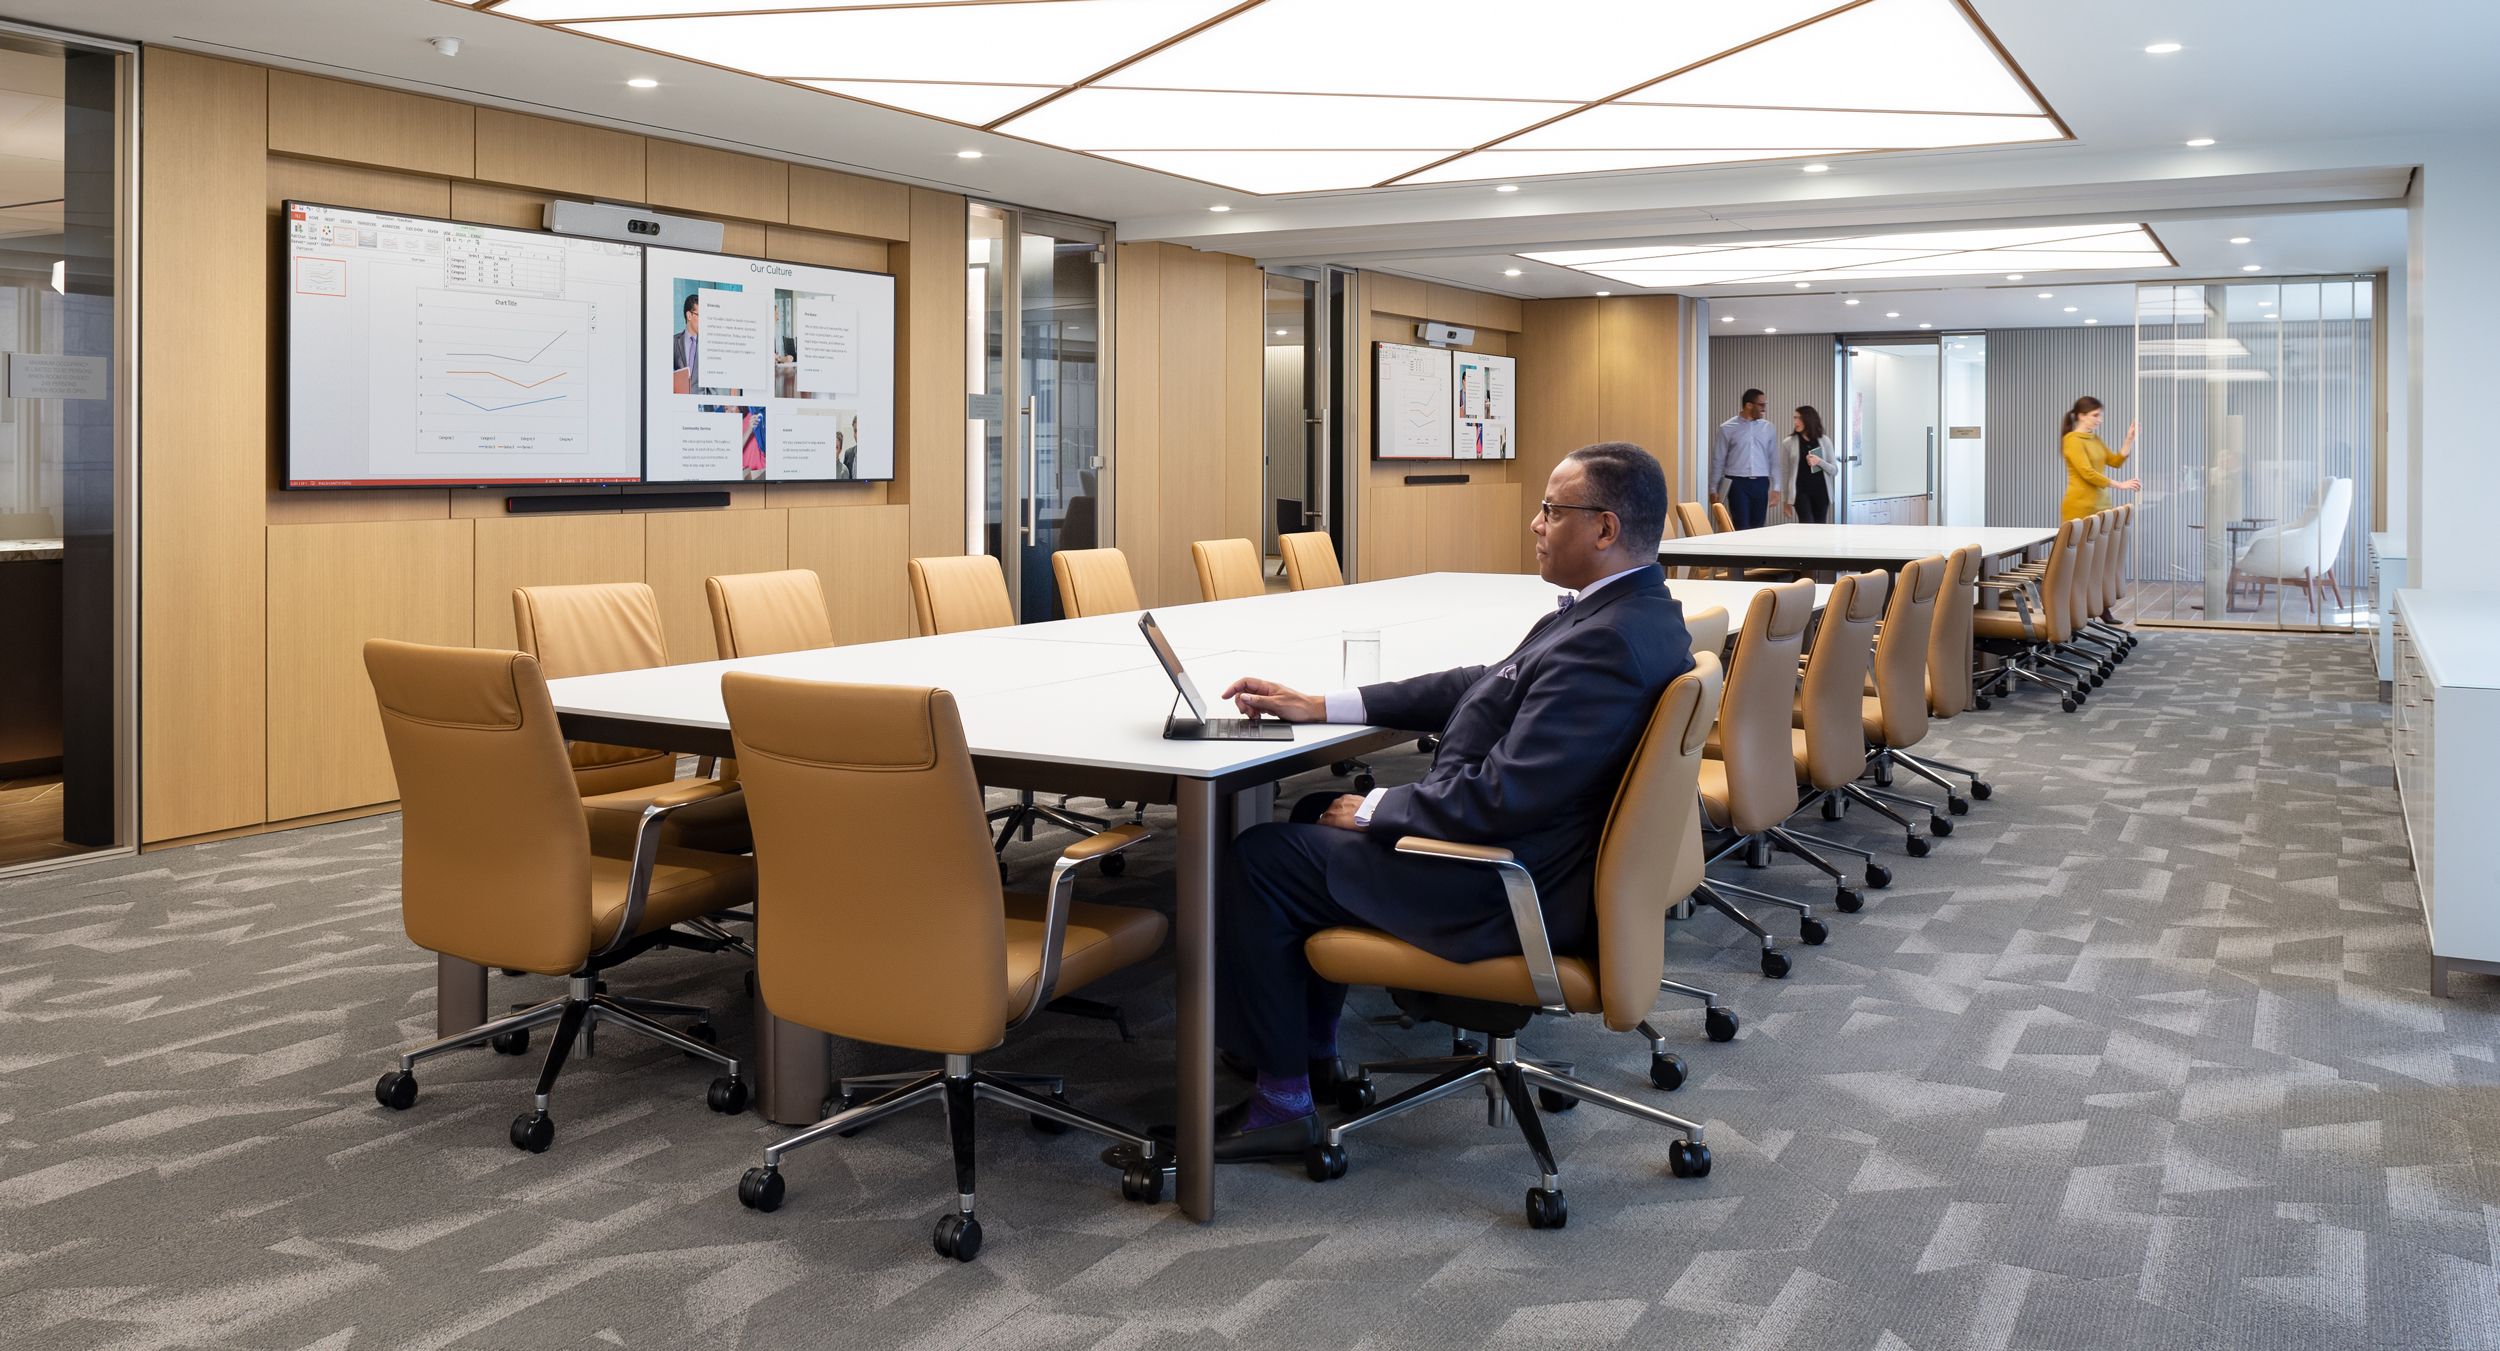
x: 1565, y: 601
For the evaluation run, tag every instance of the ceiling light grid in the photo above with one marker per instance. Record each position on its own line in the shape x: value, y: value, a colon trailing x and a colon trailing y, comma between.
x: 1838, y: 261
x: 1403, y: 92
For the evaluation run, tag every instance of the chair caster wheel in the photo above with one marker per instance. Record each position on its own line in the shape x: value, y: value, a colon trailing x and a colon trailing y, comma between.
x: 1115, y: 865
x: 1553, y: 1100
x: 1940, y: 825
x: 1720, y: 1024
x: 1142, y: 1182
x: 1547, y: 1210
x: 760, y: 1189
x: 1980, y: 702
x: 1341, y: 768
x: 1356, y: 1095
x: 1957, y: 804
x: 2083, y: 694
x: 1666, y: 1072
x: 533, y: 1132
x: 1775, y: 964
x: 1364, y: 783
x: 2099, y: 680
x: 957, y: 1236
x: 2068, y: 705
x: 1812, y: 931
x: 1324, y: 1162
x: 727, y: 1096
x: 397, y: 1090
x: 1689, y: 1158
x: 1050, y: 1125
x: 1918, y: 848
x: 515, y: 1042
x: 1980, y: 789
x: 1878, y: 876
x: 1427, y: 744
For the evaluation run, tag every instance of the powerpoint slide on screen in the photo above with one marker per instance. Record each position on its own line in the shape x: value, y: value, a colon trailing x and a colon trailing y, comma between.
x: 427, y: 352
x: 765, y: 371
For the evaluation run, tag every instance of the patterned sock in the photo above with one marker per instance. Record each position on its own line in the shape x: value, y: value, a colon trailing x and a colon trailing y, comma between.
x: 1278, y: 1099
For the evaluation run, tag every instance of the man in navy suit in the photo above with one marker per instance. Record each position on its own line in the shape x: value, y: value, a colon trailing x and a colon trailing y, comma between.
x: 1533, y: 748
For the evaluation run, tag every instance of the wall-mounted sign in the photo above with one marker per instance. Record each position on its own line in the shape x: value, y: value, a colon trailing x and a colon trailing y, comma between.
x: 50, y: 375
x: 1963, y: 433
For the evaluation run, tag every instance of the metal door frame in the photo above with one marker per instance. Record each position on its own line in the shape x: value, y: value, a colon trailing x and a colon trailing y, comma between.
x: 1318, y: 404
x: 1841, y: 343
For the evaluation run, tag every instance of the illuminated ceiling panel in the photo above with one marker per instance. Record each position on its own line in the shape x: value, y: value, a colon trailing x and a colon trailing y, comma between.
x: 1835, y: 262
x: 1400, y: 92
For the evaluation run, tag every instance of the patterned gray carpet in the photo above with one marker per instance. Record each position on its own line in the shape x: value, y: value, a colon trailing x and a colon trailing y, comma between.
x: 2141, y: 1057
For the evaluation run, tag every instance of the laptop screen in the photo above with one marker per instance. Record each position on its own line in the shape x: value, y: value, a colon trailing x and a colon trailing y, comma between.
x: 1172, y: 665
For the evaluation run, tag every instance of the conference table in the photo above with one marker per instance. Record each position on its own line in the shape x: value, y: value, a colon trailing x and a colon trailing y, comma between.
x: 1077, y: 706
x: 1804, y: 547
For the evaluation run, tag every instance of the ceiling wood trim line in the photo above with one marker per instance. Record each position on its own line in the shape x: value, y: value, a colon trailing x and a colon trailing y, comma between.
x: 2006, y: 58
x: 763, y: 14
x: 1124, y: 63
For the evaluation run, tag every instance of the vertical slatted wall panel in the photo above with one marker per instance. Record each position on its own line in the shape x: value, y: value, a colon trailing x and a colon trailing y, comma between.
x: 1792, y: 368
x: 2034, y: 376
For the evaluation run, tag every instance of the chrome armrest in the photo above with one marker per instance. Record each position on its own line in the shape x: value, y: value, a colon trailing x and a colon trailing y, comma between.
x: 1525, y: 913
x: 1091, y: 849
x: 647, y: 852
x: 2023, y: 593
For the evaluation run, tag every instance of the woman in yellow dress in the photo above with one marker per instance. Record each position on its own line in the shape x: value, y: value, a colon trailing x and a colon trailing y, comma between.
x: 2087, y: 458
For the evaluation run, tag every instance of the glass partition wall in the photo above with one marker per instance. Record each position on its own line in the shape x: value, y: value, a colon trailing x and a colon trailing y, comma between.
x: 2258, y: 421
x: 66, y: 336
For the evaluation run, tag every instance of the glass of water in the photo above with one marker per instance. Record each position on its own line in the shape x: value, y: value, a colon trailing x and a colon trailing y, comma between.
x: 1362, y: 658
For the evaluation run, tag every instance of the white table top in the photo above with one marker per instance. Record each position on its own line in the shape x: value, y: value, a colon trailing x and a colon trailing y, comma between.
x: 1087, y: 692
x: 2457, y: 633
x: 1903, y: 542
x: 28, y: 550
x: 2384, y: 543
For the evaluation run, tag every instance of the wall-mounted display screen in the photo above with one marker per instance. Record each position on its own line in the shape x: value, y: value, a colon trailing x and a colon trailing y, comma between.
x: 1411, y: 402
x: 433, y: 353
x: 765, y: 371
x: 1484, y: 424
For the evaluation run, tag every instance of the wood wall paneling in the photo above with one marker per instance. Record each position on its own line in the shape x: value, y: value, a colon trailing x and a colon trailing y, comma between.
x: 860, y: 554
x: 1402, y: 296
x: 717, y: 182
x: 823, y: 250
x: 1192, y: 415
x: 494, y: 204
x: 356, y: 185
x: 363, y: 124
x: 516, y: 551
x: 847, y: 204
x: 331, y: 587
x: 681, y: 548
x: 203, y: 755
x: 1245, y: 404
x: 1598, y: 370
x: 930, y: 424
x: 559, y: 157
x: 1137, y: 412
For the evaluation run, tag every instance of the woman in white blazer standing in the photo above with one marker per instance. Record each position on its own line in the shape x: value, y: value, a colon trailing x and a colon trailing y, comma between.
x: 1805, y: 468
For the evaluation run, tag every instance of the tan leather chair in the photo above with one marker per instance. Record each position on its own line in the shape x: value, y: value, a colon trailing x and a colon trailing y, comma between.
x: 2025, y: 619
x: 497, y: 867
x: 757, y: 614
x: 1949, y: 689
x: 1748, y: 780
x: 1648, y: 860
x: 1707, y: 627
x: 1894, y: 715
x: 885, y: 922
x: 959, y: 594
x: 594, y: 629
x: 1094, y: 582
x: 1228, y: 569
x: 1310, y: 560
x: 1722, y: 521
x: 1827, y: 744
x: 2098, y: 631
x: 1693, y: 519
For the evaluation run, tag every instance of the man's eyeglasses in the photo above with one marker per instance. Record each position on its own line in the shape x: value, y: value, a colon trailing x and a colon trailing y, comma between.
x: 1546, y: 510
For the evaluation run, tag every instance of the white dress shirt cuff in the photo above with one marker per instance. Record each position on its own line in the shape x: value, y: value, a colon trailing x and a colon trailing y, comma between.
x: 1371, y: 803
x: 1346, y: 706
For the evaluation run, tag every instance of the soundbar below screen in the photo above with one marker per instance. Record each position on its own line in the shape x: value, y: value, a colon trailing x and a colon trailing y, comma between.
x: 428, y: 353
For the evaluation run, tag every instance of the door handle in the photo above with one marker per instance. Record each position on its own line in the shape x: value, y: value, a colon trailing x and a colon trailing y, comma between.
x: 1032, y: 469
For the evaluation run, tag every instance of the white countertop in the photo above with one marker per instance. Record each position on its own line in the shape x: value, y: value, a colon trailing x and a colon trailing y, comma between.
x: 2388, y: 544
x: 1088, y: 692
x: 1903, y: 542
x: 28, y: 550
x: 2457, y: 633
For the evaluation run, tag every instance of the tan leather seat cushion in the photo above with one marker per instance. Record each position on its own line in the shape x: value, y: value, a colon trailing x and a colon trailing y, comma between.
x: 1714, y: 792
x: 718, y: 826
x: 1100, y: 939
x: 1871, y: 714
x: 2005, y: 624
x: 685, y: 883
x: 1797, y: 753
x: 1369, y: 957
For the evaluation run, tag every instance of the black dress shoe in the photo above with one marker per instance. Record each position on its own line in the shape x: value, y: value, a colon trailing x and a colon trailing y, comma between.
x: 1235, y: 1143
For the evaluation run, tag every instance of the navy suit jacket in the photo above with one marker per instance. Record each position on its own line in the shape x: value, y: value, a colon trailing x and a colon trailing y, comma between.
x: 1533, y: 748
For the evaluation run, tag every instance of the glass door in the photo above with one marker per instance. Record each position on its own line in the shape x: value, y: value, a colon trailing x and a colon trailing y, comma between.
x: 1298, y: 478
x: 1891, y: 431
x: 1036, y: 446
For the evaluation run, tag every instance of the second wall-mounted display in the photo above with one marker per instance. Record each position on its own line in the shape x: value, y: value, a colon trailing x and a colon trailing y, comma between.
x: 1429, y: 403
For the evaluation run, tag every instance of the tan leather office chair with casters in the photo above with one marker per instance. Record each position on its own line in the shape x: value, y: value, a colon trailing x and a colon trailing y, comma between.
x: 885, y: 923
x: 1228, y: 569
x: 1949, y: 688
x: 1094, y: 582
x: 1310, y: 560
x: 1652, y: 834
x: 2096, y: 635
x: 1827, y: 743
x: 964, y: 595
x: 757, y: 614
x: 1894, y: 715
x: 497, y: 867
x: 2117, y: 588
x: 1748, y: 781
x: 2021, y: 620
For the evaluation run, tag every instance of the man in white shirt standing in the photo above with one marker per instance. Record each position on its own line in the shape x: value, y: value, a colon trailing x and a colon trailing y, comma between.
x: 1742, y: 458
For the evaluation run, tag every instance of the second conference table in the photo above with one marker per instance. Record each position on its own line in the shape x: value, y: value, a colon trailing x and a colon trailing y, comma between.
x: 1077, y: 706
x: 1846, y: 548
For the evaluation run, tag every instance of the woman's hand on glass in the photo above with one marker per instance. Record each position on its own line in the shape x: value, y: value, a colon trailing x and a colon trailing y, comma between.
x: 2130, y: 484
